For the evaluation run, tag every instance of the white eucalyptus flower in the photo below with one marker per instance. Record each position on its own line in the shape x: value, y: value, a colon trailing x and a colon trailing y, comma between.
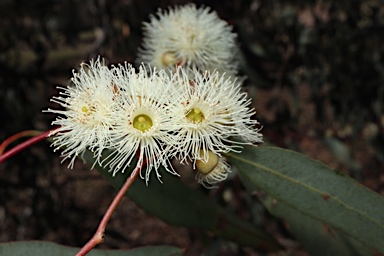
x: 88, y: 103
x: 195, y: 38
x: 143, y: 120
x: 215, y: 116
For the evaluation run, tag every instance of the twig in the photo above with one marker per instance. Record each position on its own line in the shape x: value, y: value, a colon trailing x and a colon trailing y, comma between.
x: 98, y: 237
x: 38, y: 136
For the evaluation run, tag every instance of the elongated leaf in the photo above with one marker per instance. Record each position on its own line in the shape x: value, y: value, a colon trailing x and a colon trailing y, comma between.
x: 174, y: 203
x: 318, y: 238
x: 314, y: 189
x: 37, y: 248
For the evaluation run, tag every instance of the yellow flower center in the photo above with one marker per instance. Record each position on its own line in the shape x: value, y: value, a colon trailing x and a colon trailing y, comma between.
x: 142, y: 123
x: 84, y: 109
x: 195, y: 115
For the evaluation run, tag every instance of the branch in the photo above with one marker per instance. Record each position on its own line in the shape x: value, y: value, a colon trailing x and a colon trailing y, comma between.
x: 13, y: 151
x: 98, y: 237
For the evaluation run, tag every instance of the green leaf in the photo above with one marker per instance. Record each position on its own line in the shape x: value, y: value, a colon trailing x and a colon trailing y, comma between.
x: 37, y: 248
x: 318, y: 238
x: 174, y: 203
x: 315, y: 190
x: 315, y: 236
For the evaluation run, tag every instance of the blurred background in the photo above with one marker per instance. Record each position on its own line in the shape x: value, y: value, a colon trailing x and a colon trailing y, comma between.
x: 315, y: 71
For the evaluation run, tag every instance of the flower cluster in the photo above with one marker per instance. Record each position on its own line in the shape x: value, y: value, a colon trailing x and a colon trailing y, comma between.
x: 185, y: 107
x: 195, y: 38
x: 154, y: 114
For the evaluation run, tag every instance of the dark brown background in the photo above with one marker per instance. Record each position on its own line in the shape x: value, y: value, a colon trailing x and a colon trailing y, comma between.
x: 315, y: 73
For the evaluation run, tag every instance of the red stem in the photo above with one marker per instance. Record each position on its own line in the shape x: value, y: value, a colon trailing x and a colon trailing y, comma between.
x: 23, y: 145
x: 98, y: 237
